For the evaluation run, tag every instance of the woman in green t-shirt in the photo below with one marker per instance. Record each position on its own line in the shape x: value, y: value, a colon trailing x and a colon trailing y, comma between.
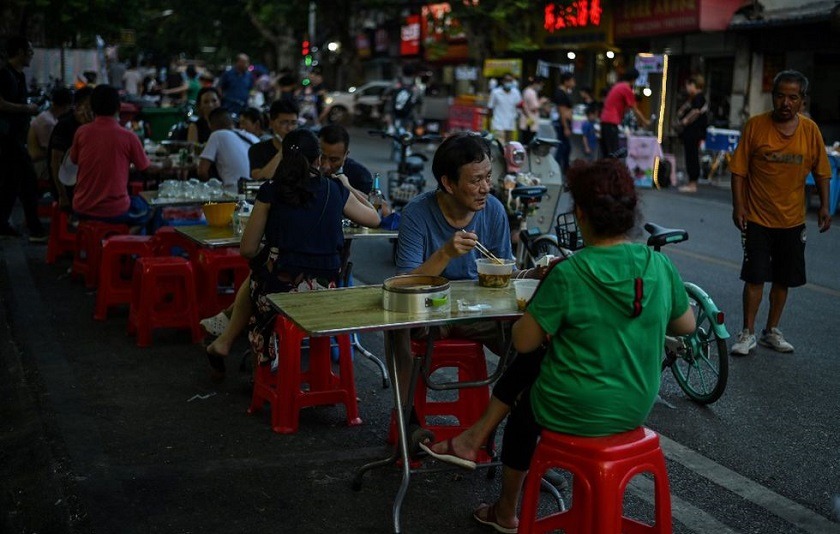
x: 601, y: 316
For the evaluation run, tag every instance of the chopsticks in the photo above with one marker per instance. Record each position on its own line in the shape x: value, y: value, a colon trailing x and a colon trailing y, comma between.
x: 485, y: 251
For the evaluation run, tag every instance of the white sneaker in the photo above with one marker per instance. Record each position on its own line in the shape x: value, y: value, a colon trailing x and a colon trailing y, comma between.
x: 775, y: 340
x: 745, y: 343
x: 215, y: 325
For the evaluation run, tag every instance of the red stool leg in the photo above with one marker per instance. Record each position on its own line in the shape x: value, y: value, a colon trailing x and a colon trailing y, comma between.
x: 286, y: 409
x: 114, y: 287
x: 61, y: 241
x: 348, y: 379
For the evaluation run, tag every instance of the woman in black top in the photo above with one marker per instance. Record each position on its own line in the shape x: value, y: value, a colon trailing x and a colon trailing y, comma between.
x: 298, y: 215
x: 692, y: 122
x: 208, y: 100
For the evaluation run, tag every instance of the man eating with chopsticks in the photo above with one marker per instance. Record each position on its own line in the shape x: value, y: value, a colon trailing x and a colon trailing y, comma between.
x: 440, y: 232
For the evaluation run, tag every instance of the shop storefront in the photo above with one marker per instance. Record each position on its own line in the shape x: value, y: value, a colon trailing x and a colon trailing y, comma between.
x: 804, y: 36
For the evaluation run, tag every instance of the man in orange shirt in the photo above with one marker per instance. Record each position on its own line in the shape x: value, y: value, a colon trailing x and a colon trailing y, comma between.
x: 769, y: 167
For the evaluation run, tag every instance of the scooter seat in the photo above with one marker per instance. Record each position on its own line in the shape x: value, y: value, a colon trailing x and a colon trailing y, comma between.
x: 532, y: 191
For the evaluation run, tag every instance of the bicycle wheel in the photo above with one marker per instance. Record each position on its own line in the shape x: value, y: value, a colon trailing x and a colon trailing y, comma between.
x: 701, y: 363
x: 544, y: 244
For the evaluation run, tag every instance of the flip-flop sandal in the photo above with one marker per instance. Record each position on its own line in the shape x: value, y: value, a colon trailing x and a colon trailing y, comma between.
x: 449, y: 456
x: 215, y: 326
x: 491, y: 520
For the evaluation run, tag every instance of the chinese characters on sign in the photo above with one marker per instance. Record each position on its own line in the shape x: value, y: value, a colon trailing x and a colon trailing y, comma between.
x: 575, y: 14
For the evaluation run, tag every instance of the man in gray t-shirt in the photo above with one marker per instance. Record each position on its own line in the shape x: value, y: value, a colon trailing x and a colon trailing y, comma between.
x: 439, y: 231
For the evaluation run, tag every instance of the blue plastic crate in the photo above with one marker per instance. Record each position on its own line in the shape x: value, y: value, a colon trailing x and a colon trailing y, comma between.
x: 719, y: 139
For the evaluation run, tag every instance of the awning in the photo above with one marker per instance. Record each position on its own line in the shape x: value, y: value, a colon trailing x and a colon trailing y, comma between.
x: 805, y: 13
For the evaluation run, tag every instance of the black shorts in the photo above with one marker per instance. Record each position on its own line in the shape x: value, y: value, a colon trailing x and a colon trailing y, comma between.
x: 774, y: 255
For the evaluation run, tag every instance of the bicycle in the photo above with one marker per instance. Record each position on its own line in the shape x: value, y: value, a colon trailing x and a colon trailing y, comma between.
x: 699, y: 361
x: 532, y: 244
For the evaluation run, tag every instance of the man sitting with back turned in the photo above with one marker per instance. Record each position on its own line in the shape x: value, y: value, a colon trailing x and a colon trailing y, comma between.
x: 104, y: 150
x: 228, y: 149
x: 439, y: 231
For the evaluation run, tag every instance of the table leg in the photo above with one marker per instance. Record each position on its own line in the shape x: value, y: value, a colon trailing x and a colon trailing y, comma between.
x: 401, y: 448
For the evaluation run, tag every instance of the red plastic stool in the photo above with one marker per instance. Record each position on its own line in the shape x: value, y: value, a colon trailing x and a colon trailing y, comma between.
x: 116, y: 268
x: 601, y: 469
x: 283, y: 389
x: 219, y: 273
x: 61, y: 241
x: 89, y: 237
x: 468, y: 358
x: 162, y: 296
x: 169, y: 242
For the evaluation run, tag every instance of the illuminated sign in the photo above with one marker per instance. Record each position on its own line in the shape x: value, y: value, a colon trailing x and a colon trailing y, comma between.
x: 410, y: 36
x: 574, y: 14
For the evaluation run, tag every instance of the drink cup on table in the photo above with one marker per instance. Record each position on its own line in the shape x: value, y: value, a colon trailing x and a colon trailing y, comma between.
x: 524, y: 291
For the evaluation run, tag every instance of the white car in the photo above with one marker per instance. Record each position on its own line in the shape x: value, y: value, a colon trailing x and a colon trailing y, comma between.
x: 363, y: 102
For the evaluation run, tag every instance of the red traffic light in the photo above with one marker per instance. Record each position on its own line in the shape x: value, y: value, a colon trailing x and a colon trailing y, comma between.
x: 304, y: 49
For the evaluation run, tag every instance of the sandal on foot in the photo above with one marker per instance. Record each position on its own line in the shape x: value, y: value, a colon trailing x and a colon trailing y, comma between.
x: 215, y: 326
x: 449, y: 456
x: 217, y: 365
x: 491, y: 520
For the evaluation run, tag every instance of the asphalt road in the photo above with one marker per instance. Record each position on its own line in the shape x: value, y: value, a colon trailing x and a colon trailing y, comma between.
x: 98, y: 435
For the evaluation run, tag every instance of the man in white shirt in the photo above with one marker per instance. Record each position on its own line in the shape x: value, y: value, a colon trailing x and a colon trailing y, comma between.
x: 228, y: 149
x: 42, y: 126
x: 502, y: 107
x: 132, y: 79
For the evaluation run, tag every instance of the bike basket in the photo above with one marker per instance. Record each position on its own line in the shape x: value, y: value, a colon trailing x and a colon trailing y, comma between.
x: 568, y: 234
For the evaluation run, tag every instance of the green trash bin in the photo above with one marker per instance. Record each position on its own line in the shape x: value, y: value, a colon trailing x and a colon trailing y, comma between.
x: 160, y: 120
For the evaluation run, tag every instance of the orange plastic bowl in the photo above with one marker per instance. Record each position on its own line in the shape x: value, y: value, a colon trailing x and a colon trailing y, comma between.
x: 218, y: 214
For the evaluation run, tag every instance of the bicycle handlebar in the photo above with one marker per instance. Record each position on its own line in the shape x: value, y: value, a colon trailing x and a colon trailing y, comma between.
x: 406, y: 139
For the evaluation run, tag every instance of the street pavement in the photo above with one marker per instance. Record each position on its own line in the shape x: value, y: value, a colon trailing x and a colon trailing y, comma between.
x: 100, y: 436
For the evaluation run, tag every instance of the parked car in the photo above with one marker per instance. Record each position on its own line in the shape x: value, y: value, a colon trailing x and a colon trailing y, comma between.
x: 357, y: 103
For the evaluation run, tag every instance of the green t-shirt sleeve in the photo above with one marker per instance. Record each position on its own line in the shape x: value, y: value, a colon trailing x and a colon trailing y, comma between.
x: 679, y: 298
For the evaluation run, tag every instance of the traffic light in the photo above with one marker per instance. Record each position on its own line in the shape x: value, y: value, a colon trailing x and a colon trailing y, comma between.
x: 306, y: 52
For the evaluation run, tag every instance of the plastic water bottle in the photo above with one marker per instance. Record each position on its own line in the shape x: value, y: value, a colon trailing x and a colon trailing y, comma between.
x: 241, y: 216
x: 375, y: 197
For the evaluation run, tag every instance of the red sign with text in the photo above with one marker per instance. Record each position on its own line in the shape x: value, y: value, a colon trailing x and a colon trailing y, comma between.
x: 573, y: 14
x: 410, y: 36
x: 656, y: 17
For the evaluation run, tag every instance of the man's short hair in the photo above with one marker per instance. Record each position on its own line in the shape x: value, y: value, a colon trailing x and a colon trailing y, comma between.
x: 62, y: 96
x: 457, y: 150
x: 220, y: 119
x: 105, y: 100
x: 282, y: 106
x: 252, y: 114
x: 792, y: 76
x: 333, y: 134
x: 15, y: 44
x: 566, y: 76
x: 82, y: 95
x: 631, y: 75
